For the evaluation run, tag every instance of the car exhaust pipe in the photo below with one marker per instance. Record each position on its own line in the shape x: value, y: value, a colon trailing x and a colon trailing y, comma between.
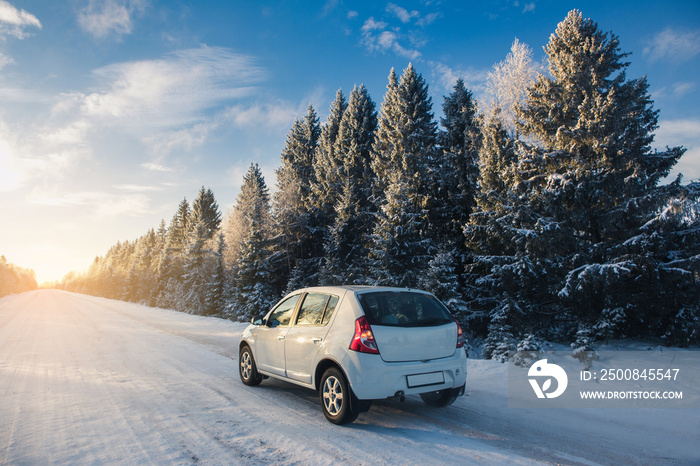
x: 400, y: 396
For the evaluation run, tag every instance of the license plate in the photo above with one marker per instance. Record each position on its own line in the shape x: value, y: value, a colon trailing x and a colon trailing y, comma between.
x: 422, y: 380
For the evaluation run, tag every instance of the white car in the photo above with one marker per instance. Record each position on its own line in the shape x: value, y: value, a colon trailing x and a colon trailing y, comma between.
x: 354, y: 344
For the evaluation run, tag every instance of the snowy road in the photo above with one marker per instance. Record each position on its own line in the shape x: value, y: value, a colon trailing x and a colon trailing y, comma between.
x: 89, y: 380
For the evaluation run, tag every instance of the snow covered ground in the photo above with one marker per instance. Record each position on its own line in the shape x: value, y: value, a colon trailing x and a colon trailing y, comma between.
x: 89, y: 380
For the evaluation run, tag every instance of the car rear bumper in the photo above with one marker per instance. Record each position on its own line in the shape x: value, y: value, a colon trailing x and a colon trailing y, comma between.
x: 371, y: 378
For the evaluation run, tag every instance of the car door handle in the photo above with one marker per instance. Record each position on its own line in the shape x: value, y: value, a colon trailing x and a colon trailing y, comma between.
x: 280, y: 338
x: 317, y: 340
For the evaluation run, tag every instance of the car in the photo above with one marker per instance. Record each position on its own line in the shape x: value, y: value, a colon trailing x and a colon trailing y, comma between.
x: 356, y: 344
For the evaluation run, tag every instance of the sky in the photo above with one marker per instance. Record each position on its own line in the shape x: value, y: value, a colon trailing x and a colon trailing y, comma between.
x: 113, y: 111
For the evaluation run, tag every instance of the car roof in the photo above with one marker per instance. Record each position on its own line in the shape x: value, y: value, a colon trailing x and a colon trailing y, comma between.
x: 358, y: 289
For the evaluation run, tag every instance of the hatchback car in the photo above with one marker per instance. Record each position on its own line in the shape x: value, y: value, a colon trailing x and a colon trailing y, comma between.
x: 355, y: 344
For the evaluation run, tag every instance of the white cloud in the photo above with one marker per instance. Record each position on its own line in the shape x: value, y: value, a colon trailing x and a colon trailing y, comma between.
x: 373, y: 25
x: 428, y: 19
x: 405, y: 38
x: 684, y: 133
x: 376, y: 38
x: 156, y: 167
x: 675, y: 91
x: 102, y: 18
x: 163, y: 143
x: 673, y: 45
x: 5, y: 60
x: 683, y: 129
x: 133, y: 188
x: 404, y: 15
x: 173, y: 91
x: 328, y: 7
x: 13, y: 22
x: 103, y: 204
x: 116, y: 205
x: 529, y: 7
x: 680, y: 89
x: 279, y: 115
x: 170, y: 105
x: 27, y: 155
x: 12, y: 173
x: 446, y: 76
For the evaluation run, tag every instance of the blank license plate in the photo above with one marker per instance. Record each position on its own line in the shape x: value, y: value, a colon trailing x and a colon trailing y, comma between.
x: 421, y: 380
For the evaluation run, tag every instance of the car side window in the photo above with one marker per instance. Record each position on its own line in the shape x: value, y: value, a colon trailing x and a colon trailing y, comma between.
x: 282, y: 314
x: 312, y: 308
x: 330, y: 307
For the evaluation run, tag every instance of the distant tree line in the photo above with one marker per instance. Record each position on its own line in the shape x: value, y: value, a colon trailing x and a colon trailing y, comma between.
x: 538, y: 216
x: 14, y: 279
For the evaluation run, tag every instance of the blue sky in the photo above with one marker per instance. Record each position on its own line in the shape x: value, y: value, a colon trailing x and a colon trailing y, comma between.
x: 112, y: 111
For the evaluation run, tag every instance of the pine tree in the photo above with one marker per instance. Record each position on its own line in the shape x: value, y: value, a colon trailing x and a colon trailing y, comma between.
x: 495, y: 259
x: 299, y: 152
x: 14, y: 279
x: 205, y: 208
x: 455, y: 187
x: 179, y: 228
x: 404, y: 161
x: 500, y: 341
x: 253, y: 196
x: 297, y: 245
x: 214, y: 299
x: 345, y: 245
x: 407, y: 133
x: 326, y: 183
x: 441, y: 279
x: 566, y: 221
x: 159, y: 263
x: 197, y: 270
x: 141, y: 277
x: 460, y: 141
x: 595, y: 165
x: 254, y: 284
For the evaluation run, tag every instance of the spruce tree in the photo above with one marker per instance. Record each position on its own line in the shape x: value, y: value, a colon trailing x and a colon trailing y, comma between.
x: 404, y: 161
x: 455, y: 190
x: 345, y: 246
x: 254, y: 288
x: 459, y: 168
x: 567, y: 237
x: 326, y: 183
x: 593, y: 168
x: 214, y: 299
x: 254, y: 194
x: 197, y: 270
x: 500, y: 270
x: 205, y: 208
x: 297, y: 245
x: 407, y: 134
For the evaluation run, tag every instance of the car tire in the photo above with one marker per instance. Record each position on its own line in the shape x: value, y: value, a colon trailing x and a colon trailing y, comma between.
x: 247, y: 368
x: 339, y: 404
x: 440, y: 398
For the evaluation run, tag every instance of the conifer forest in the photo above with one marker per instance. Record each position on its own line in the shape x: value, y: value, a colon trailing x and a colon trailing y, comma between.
x: 540, y: 214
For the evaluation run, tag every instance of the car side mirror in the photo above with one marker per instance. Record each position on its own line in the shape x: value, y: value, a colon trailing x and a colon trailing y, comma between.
x: 257, y: 320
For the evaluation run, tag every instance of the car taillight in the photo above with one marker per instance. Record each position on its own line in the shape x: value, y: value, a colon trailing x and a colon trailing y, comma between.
x: 460, y: 335
x: 363, y: 341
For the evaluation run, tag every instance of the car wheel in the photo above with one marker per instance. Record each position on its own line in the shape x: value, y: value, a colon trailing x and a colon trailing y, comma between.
x: 247, y: 369
x: 440, y: 398
x: 337, y: 401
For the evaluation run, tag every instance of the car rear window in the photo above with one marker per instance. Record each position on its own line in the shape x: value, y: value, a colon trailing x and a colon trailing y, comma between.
x: 403, y: 309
